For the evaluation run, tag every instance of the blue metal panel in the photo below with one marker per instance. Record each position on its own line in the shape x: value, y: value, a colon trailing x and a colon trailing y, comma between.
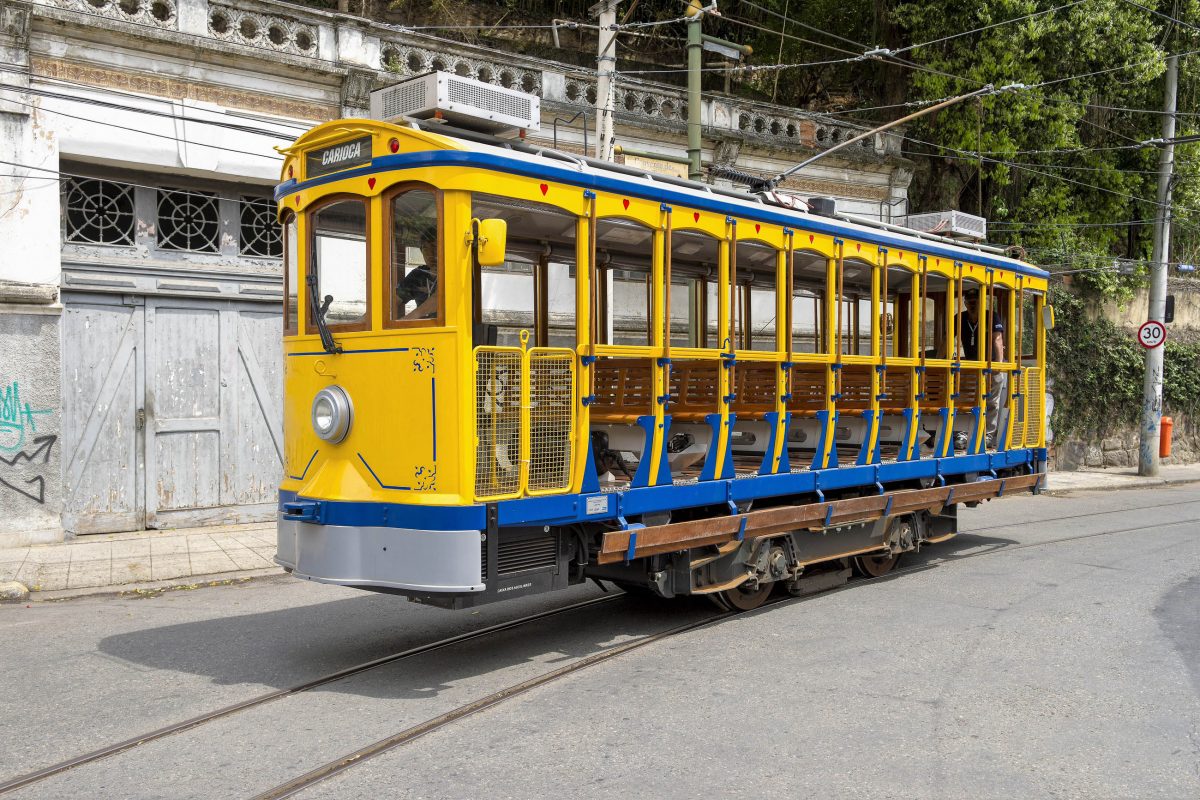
x: 767, y: 468
x: 569, y: 508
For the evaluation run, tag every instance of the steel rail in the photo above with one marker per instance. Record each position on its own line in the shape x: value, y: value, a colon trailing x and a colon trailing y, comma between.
x: 410, y: 734
x: 328, y: 770
x: 22, y: 781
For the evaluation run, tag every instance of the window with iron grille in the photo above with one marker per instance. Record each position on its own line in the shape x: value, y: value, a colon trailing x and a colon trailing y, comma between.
x: 98, y: 212
x: 188, y: 221
x: 259, y: 232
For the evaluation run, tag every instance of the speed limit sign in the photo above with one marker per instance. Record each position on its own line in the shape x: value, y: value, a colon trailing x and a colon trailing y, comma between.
x: 1152, y: 334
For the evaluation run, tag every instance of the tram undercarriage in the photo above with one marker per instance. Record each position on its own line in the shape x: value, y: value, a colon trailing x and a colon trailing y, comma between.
x: 737, y: 560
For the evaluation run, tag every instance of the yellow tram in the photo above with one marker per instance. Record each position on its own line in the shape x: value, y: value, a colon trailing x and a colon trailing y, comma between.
x: 695, y: 391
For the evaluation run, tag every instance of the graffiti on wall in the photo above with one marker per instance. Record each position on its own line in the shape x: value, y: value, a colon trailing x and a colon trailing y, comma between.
x: 23, y: 452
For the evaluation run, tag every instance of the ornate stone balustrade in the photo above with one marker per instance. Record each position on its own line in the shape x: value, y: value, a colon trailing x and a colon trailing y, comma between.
x: 372, y: 51
x: 159, y: 13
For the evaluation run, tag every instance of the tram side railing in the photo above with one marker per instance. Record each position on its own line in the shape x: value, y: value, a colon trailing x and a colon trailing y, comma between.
x: 524, y: 422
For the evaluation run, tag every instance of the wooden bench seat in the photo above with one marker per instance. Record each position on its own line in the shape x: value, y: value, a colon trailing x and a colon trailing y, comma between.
x: 897, y: 389
x: 756, y: 386
x: 624, y: 390
x: 808, y: 390
x: 856, y: 387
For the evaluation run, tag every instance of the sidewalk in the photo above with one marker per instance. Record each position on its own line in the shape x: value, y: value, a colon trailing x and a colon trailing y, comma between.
x: 1119, y: 478
x: 142, y: 559
x: 118, y: 562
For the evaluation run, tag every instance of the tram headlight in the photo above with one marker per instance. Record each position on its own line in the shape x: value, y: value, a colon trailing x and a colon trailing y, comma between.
x: 331, y: 414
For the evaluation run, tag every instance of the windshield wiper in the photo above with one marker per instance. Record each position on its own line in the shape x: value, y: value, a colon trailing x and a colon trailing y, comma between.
x: 318, y: 312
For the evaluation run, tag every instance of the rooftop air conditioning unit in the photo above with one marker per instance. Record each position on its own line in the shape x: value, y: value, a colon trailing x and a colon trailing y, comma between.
x: 463, y: 102
x: 952, y: 224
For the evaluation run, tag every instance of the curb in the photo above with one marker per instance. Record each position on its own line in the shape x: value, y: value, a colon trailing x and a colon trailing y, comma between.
x: 1139, y: 483
x: 152, y: 588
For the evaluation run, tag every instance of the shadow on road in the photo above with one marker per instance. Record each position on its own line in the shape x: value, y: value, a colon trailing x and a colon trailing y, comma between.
x: 289, y: 646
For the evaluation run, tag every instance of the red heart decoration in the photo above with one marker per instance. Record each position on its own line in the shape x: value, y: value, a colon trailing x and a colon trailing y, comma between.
x: 625, y: 203
x: 902, y: 254
x: 810, y: 238
x: 370, y: 183
x: 859, y: 248
x: 297, y: 201
x: 938, y: 262
x: 544, y: 189
x: 757, y: 227
x: 696, y: 216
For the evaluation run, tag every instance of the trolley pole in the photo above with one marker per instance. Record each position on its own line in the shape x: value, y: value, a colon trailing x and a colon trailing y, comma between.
x: 606, y: 64
x: 1152, y: 385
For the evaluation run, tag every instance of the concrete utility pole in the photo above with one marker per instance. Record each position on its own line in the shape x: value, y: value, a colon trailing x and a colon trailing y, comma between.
x: 1152, y: 387
x: 695, y: 48
x: 606, y: 64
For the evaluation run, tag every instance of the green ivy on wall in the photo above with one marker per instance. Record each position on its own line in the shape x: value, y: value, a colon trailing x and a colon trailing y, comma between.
x: 1098, y: 370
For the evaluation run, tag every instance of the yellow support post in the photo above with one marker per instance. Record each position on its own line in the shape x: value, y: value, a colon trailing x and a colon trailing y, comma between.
x: 657, y: 309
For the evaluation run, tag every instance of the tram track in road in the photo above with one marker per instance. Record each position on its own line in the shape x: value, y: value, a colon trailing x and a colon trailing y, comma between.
x: 191, y: 723
x: 492, y: 699
x: 410, y: 734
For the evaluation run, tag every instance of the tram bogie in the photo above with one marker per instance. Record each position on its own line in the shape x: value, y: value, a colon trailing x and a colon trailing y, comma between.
x: 507, y: 373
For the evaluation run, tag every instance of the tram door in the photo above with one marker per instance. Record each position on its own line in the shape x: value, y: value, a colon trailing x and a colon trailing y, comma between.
x: 171, y: 412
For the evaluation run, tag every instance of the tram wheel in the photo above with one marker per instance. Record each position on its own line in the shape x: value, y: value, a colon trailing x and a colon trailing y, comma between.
x: 875, y: 566
x: 743, y: 599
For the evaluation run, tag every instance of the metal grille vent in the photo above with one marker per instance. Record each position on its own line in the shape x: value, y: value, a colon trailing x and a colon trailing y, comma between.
x: 551, y: 395
x: 518, y: 555
x: 483, y: 559
x: 188, y: 221
x: 482, y: 96
x: 462, y: 102
x: 1033, y: 407
x: 954, y: 224
x: 98, y: 212
x: 497, y: 422
x: 260, y: 234
x: 404, y: 99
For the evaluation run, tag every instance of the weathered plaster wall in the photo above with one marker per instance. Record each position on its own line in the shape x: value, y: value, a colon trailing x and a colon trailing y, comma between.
x: 30, y: 432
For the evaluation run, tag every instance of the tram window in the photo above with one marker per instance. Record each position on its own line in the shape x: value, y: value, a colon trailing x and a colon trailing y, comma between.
x: 807, y: 305
x: 338, y: 257
x: 998, y: 323
x: 534, y: 289
x: 932, y: 336
x: 415, y: 265
x: 1029, y: 323
x: 624, y: 253
x: 855, y: 324
x: 808, y: 302
x: 756, y: 311
x: 899, y: 312
x: 290, y: 273
x: 694, y: 261
x: 969, y: 323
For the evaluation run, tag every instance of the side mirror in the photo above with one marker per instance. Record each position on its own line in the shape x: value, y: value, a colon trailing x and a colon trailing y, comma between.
x: 491, y: 238
x: 1048, y: 317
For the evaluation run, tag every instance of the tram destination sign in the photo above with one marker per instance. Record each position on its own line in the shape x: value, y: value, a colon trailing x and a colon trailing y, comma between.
x: 343, y: 155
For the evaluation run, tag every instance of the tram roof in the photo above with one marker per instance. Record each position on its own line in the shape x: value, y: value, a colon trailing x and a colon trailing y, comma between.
x: 552, y: 165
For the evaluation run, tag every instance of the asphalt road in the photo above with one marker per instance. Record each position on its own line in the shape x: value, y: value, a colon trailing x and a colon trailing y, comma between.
x: 1051, y: 650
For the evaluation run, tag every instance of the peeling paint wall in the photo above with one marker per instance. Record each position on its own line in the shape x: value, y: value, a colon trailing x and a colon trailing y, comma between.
x: 30, y: 432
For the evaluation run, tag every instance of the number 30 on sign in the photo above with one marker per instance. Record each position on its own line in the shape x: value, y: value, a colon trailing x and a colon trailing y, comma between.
x: 1152, y: 334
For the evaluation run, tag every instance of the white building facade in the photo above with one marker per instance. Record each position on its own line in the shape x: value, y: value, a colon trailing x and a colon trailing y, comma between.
x: 140, y: 280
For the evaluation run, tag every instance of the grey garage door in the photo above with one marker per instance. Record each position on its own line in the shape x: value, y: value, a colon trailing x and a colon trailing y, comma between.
x: 171, y: 412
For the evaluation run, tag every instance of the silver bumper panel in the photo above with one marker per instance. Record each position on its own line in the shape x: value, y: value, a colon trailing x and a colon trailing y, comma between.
x: 391, y: 558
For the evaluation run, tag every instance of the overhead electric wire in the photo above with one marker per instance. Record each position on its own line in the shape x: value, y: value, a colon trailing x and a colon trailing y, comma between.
x: 988, y: 27
x: 63, y: 175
